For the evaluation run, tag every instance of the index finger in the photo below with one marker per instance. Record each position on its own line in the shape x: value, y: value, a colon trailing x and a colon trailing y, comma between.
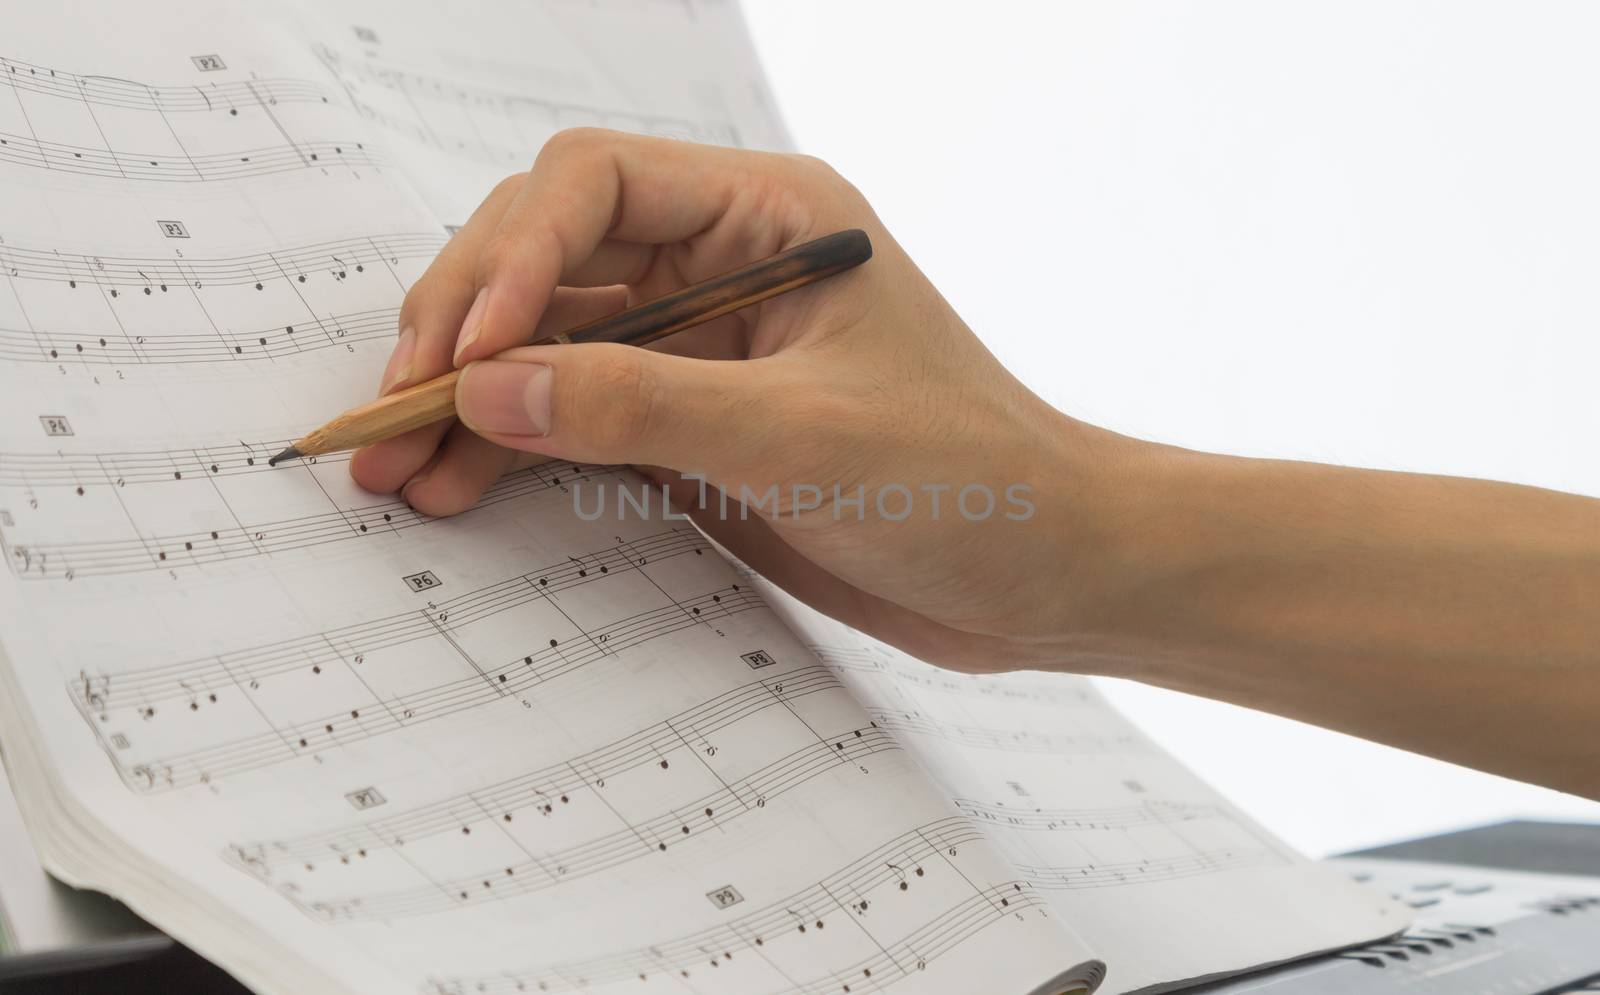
x: 602, y: 207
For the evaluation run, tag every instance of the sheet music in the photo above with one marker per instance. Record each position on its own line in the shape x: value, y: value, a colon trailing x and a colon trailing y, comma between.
x: 1160, y: 874
x: 465, y: 97
x: 335, y: 744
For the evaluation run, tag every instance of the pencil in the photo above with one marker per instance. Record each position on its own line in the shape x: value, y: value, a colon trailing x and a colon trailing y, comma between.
x: 641, y: 324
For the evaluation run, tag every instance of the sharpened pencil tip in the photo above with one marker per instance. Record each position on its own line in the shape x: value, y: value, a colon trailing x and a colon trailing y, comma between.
x: 290, y: 453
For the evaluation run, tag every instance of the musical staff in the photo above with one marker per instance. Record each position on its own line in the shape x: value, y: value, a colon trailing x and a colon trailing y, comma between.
x: 904, y: 956
x: 443, y: 113
x: 1132, y: 830
x: 644, y: 748
x: 1012, y: 740
x: 932, y: 849
x: 108, y: 91
x: 336, y: 259
x: 116, y: 348
x: 377, y: 714
x: 634, y: 841
x: 266, y: 126
x: 1153, y: 813
x: 120, y: 469
x: 878, y: 660
x: 186, y: 308
x: 1148, y: 871
x: 151, y: 686
x: 250, y: 537
x: 83, y: 160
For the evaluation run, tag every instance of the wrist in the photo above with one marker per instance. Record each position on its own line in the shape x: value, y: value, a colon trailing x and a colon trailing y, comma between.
x: 1142, y: 526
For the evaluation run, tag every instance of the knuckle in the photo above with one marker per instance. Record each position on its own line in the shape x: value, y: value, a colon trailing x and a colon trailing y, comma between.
x: 809, y: 164
x: 508, y: 187
x: 500, y: 253
x: 824, y: 191
x: 576, y: 142
x: 818, y: 171
x: 442, y: 287
x: 851, y: 196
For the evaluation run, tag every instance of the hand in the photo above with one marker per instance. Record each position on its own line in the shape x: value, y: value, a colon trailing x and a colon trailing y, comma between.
x: 1454, y: 617
x: 963, y: 546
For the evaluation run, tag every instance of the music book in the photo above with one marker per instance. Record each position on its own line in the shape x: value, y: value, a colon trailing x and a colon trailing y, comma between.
x: 338, y: 746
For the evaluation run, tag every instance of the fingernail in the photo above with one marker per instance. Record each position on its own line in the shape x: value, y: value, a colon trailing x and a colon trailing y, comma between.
x: 500, y: 396
x: 473, y: 325
x: 399, y: 369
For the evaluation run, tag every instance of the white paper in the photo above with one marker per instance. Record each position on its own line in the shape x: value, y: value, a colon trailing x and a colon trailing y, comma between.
x: 467, y: 96
x: 1158, y: 872
x: 331, y: 743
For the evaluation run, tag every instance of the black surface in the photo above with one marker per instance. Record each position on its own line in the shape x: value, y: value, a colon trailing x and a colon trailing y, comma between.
x: 107, y: 953
x: 1549, y: 847
x: 179, y: 971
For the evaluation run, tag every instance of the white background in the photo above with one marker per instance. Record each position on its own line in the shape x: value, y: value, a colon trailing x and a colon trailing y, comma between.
x: 1363, y: 233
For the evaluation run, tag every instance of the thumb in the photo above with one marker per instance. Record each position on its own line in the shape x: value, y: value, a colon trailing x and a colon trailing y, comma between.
x: 605, y: 403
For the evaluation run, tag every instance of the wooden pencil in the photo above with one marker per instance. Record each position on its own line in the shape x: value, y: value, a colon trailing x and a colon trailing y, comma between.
x: 641, y: 324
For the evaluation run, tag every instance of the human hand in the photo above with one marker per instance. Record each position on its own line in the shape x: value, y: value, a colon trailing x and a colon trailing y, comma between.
x: 867, y: 385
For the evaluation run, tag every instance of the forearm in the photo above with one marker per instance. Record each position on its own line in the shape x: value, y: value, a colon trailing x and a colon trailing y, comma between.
x: 1454, y: 617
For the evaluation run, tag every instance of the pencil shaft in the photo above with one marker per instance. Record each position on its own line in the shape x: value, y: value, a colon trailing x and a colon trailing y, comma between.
x: 641, y: 324
x: 710, y: 299
x: 385, y: 418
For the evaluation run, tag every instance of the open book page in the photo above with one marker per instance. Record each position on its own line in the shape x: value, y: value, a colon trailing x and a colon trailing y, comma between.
x: 1164, y: 878
x: 466, y: 93
x: 329, y: 742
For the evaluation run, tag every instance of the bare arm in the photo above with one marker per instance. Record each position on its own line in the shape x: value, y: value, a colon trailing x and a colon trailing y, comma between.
x: 1449, y: 616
